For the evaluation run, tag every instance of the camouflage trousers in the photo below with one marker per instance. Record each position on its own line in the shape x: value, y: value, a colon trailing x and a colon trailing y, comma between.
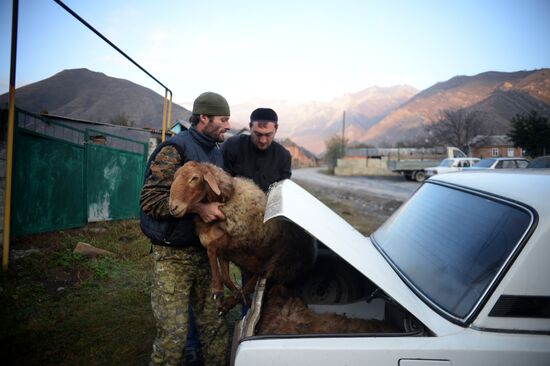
x: 182, y: 277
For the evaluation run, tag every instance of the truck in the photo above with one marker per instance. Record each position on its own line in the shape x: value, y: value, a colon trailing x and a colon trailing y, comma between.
x: 411, y: 162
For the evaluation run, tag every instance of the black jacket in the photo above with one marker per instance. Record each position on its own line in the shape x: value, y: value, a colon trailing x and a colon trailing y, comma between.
x: 179, y: 232
x: 265, y: 167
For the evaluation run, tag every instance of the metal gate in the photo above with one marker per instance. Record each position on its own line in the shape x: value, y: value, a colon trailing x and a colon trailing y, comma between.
x: 64, y: 177
x: 113, y: 178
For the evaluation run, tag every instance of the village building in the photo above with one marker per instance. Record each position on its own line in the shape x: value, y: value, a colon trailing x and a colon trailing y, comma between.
x: 494, y: 146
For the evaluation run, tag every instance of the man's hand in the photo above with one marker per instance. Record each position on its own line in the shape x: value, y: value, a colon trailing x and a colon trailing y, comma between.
x: 208, y: 211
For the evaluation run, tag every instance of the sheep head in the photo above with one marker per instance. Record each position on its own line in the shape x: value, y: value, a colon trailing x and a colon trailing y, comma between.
x: 195, y: 182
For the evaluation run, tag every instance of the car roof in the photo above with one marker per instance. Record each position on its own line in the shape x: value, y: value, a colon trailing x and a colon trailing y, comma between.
x: 509, y: 183
x: 542, y: 158
x: 499, y: 158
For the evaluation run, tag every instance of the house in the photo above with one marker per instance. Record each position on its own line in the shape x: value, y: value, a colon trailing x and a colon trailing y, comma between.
x: 300, y: 157
x: 179, y: 126
x: 494, y: 146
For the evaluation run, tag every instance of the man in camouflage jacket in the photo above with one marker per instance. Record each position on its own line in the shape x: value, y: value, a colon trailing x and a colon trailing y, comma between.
x: 181, y: 273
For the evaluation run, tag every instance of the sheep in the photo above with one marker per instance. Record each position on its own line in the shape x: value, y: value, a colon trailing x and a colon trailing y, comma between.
x: 278, y: 250
x: 285, y: 314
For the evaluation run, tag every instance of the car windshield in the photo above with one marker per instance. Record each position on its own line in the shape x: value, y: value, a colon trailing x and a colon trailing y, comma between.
x: 446, y: 162
x: 485, y: 163
x: 449, y: 244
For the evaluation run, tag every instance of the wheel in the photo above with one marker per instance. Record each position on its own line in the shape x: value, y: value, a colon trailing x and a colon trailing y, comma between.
x: 408, y: 176
x: 420, y: 176
x: 341, y: 285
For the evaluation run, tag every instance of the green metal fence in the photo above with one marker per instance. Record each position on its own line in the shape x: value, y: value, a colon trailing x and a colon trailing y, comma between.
x: 114, y: 178
x: 62, y: 179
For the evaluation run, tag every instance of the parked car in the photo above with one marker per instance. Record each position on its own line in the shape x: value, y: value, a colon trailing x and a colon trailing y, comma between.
x: 541, y: 162
x: 501, y: 163
x: 460, y: 271
x: 451, y: 165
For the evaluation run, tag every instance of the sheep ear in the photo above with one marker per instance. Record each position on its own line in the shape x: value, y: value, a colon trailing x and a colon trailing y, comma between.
x: 209, y: 178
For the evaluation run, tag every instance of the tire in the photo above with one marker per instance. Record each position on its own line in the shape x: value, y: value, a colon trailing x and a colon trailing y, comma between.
x: 419, y: 176
x: 408, y: 176
x: 341, y: 285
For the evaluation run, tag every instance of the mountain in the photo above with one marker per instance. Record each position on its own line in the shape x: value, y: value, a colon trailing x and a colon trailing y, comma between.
x: 498, y: 95
x: 89, y: 95
x: 309, y: 124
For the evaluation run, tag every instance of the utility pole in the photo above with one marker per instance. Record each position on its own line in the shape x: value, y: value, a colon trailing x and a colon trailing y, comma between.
x: 343, y: 136
x: 9, y: 139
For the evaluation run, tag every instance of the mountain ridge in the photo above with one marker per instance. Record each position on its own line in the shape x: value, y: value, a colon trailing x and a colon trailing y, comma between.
x: 74, y: 93
x: 470, y: 92
x: 381, y: 116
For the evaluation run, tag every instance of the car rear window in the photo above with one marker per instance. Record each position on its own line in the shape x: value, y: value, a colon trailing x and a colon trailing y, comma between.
x: 450, y: 244
x: 508, y: 164
x: 522, y: 163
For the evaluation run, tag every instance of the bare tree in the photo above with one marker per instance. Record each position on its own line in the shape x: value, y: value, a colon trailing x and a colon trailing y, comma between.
x: 334, y: 151
x: 456, y: 127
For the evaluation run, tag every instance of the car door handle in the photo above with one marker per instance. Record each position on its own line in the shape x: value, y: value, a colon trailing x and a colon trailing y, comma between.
x: 423, y: 362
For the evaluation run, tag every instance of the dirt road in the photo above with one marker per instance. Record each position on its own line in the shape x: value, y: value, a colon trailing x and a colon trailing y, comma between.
x: 386, y: 187
x: 365, y: 202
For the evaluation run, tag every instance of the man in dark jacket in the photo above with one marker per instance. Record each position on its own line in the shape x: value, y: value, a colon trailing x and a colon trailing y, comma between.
x: 181, y: 273
x: 257, y: 156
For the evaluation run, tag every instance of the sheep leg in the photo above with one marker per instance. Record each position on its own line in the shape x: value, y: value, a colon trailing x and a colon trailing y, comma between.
x: 214, y: 237
x: 216, y: 286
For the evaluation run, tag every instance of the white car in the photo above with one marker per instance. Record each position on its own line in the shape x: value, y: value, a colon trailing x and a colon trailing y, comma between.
x: 501, y: 163
x: 461, y: 270
x: 451, y: 165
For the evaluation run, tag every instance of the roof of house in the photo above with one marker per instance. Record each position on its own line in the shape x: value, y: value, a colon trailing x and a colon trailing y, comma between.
x: 492, y: 140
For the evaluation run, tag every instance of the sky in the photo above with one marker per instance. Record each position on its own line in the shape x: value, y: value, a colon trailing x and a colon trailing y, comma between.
x: 277, y: 50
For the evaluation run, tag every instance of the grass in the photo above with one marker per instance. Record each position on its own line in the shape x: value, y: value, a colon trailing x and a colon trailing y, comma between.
x: 61, y: 308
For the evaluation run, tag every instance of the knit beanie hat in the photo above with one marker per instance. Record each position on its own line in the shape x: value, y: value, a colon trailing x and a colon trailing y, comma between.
x: 264, y: 115
x: 211, y: 104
